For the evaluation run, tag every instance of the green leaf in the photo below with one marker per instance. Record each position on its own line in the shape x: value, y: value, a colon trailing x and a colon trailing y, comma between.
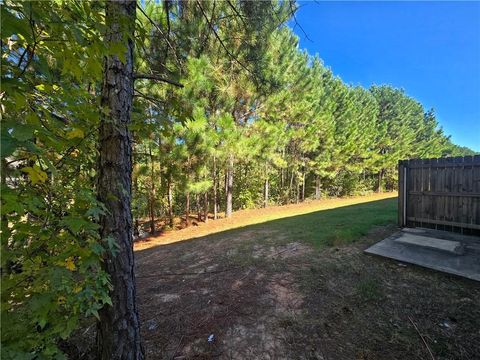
x: 95, y: 212
x: 75, y: 133
x: 8, y: 144
x: 12, y: 24
x: 119, y: 50
x: 35, y: 174
x: 75, y: 224
x: 20, y: 101
x: 23, y: 132
x: 42, y: 323
x: 94, y: 312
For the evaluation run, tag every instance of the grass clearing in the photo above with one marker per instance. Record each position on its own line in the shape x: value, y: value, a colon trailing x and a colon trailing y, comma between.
x: 320, y: 222
x: 335, y: 227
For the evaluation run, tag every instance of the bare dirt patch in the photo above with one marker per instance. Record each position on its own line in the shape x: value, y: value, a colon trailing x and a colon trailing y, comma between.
x: 280, y: 251
x: 226, y: 288
x: 286, y: 296
x: 286, y: 301
x: 257, y: 294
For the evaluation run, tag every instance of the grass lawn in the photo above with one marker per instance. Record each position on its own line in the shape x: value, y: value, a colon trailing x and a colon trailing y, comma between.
x: 317, y: 222
x: 338, y: 226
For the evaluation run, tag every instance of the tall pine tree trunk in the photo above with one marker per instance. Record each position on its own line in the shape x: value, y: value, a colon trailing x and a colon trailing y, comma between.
x: 290, y: 188
x: 317, y: 188
x: 297, y: 191
x: 187, y: 209
x: 229, y: 187
x: 215, y: 189
x: 136, y: 221
x: 152, y: 194
x: 380, y: 180
x: 118, y: 333
x: 170, y: 201
x: 199, y: 208
x: 205, y: 206
x: 303, y: 185
x: 265, y: 193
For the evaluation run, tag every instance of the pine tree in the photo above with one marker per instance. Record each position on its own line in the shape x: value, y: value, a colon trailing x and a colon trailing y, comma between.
x: 118, y: 328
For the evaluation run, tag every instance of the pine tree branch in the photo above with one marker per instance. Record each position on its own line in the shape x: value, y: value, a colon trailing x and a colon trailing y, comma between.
x: 237, y: 13
x: 210, y: 25
x: 153, y: 77
x: 152, y: 100
x: 293, y: 10
x: 167, y: 38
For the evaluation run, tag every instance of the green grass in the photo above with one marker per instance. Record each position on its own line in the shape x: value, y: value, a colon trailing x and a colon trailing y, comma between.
x: 337, y: 226
x: 369, y: 289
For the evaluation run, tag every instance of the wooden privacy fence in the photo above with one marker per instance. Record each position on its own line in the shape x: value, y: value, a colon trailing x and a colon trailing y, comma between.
x: 443, y: 194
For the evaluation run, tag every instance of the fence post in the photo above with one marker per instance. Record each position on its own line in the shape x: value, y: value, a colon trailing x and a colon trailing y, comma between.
x: 401, y: 193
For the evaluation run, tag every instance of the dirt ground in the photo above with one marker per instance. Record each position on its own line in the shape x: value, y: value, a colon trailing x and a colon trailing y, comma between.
x: 277, y: 299
x: 256, y: 292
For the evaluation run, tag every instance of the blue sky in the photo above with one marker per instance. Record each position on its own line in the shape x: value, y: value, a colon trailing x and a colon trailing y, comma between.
x: 431, y: 49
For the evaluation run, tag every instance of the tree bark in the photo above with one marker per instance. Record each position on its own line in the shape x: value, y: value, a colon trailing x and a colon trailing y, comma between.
x: 303, y: 185
x: 290, y: 188
x: 136, y: 221
x: 199, y: 208
x: 229, y: 188
x: 118, y: 333
x: 380, y: 180
x: 205, y: 206
x: 152, y: 194
x: 187, y: 209
x: 317, y: 188
x: 297, y: 191
x: 215, y: 186
x: 170, y: 202
x: 265, y: 193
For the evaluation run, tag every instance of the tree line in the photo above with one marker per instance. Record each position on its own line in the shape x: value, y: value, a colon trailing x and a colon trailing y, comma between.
x: 264, y: 123
x: 164, y: 109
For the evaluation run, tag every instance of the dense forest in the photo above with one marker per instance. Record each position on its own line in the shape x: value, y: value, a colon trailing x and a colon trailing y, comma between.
x: 227, y: 113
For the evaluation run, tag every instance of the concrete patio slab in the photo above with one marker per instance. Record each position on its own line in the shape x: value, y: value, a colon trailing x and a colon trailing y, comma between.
x: 449, y: 246
x: 442, y: 251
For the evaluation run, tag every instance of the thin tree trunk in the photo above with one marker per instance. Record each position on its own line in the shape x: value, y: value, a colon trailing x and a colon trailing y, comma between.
x: 303, y: 185
x: 297, y: 192
x: 187, y: 209
x: 170, y: 202
x: 199, y: 209
x: 290, y: 188
x: 265, y: 192
x: 215, y: 186
x: 205, y: 206
x: 118, y: 335
x: 136, y: 221
x: 229, y: 188
x: 380, y: 180
x: 317, y: 188
x: 152, y: 194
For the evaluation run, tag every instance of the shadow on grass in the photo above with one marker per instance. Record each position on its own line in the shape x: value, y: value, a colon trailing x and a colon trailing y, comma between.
x: 322, y: 228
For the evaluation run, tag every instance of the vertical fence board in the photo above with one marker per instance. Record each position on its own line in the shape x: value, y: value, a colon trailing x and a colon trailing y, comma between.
x: 433, y: 188
x: 401, y: 194
x: 440, y: 193
x: 464, y: 186
x: 475, y: 205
